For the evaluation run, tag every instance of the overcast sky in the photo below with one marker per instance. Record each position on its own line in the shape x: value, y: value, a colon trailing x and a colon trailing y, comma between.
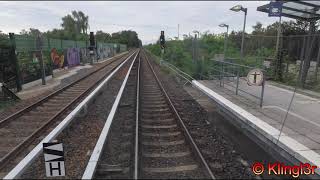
x: 146, y: 18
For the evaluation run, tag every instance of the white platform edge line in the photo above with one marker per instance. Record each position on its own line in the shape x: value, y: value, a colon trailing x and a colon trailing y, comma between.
x: 265, y: 127
x: 26, y: 161
x: 94, y: 158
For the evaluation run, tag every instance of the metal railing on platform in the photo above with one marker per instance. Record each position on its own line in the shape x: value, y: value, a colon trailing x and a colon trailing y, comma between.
x: 231, y: 74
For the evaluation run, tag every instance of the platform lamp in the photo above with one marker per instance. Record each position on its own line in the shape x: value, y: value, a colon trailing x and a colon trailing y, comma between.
x: 225, y: 38
x: 238, y: 8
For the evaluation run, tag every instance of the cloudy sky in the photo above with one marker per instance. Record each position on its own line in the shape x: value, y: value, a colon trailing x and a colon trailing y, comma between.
x: 146, y: 18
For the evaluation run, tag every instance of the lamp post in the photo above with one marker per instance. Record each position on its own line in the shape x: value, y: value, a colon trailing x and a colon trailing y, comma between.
x: 195, y: 31
x: 195, y: 45
x: 238, y: 8
x: 195, y: 52
x: 225, y: 39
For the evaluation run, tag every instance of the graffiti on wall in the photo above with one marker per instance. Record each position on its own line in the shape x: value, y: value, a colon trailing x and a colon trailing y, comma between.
x: 73, y: 57
x: 104, y: 52
x: 84, y: 55
x: 58, y: 60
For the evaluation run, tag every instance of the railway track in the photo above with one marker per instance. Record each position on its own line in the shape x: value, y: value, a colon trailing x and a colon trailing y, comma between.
x: 147, y: 138
x: 20, y: 129
x: 166, y: 148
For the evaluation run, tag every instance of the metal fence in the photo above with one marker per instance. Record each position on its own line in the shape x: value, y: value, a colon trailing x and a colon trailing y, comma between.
x: 234, y: 77
x: 260, y: 51
x: 55, y: 53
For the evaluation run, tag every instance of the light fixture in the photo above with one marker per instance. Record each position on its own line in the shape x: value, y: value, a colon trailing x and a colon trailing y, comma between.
x: 223, y: 25
x: 236, y: 8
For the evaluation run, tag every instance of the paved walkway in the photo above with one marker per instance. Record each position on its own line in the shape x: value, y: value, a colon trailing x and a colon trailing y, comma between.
x: 36, y: 88
x: 301, y: 132
x: 303, y: 120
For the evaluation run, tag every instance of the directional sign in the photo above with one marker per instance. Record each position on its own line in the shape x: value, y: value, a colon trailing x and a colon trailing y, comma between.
x: 275, y: 9
x: 54, y: 159
x: 255, y: 77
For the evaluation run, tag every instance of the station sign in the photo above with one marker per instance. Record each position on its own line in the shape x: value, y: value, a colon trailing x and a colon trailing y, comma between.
x: 275, y: 9
x: 54, y: 159
x: 255, y: 77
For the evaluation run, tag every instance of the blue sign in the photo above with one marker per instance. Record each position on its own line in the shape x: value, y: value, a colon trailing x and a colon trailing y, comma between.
x: 275, y: 9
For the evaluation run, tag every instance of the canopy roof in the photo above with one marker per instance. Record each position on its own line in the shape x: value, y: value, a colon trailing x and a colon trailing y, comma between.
x: 303, y: 10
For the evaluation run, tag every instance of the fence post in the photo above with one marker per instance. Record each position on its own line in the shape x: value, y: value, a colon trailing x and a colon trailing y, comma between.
x: 262, y: 91
x: 220, y: 72
x: 39, y: 47
x: 238, y: 69
x: 50, y: 60
x: 15, y: 60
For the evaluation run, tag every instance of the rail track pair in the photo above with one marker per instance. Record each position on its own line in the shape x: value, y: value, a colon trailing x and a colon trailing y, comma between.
x: 154, y: 142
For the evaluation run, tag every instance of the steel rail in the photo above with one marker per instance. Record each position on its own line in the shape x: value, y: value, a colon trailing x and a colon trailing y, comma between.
x: 30, y: 138
x: 98, y: 149
x: 42, y: 100
x: 136, y: 154
x: 186, y: 132
x: 17, y: 171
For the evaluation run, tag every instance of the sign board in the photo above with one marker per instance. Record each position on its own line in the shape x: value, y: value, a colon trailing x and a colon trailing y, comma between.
x: 275, y: 9
x: 54, y: 159
x: 255, y: 77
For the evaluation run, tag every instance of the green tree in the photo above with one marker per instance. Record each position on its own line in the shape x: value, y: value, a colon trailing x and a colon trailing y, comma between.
x: 75, y: 24
x: 103, y: 36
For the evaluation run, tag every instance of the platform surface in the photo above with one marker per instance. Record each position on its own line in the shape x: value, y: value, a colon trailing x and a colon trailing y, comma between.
x: 300, y: 136
x: 36, y: 88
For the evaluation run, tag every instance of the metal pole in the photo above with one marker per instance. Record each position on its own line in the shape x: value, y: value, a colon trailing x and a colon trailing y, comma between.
x: 277, y: 48
x: 278, y: 35
x: 302, y: 57
x: 222, y: 74
x: 243, y: 32
x: 43, y: 71
x: 178, y: 31
x: 51, y: 64
x: 15, y: 60
x: 262, y: 92
x: 193, y: 56
x: 317, y: 65
x: 225, y: 43
x: 92, y: 57
x: 237, y: 80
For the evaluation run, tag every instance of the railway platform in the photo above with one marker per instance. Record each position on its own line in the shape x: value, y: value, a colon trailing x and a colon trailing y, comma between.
x: 60, y: 77
x: 300, y: 138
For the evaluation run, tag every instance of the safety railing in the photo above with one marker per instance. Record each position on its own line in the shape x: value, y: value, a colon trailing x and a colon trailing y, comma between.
x: 234, y: 76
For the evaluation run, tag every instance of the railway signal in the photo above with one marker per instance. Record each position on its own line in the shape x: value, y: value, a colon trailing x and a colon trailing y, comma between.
x: 162, y: 40
x: 162, y: 45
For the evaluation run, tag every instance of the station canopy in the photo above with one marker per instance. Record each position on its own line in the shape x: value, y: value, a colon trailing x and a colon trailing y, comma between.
x: 303, y: 10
